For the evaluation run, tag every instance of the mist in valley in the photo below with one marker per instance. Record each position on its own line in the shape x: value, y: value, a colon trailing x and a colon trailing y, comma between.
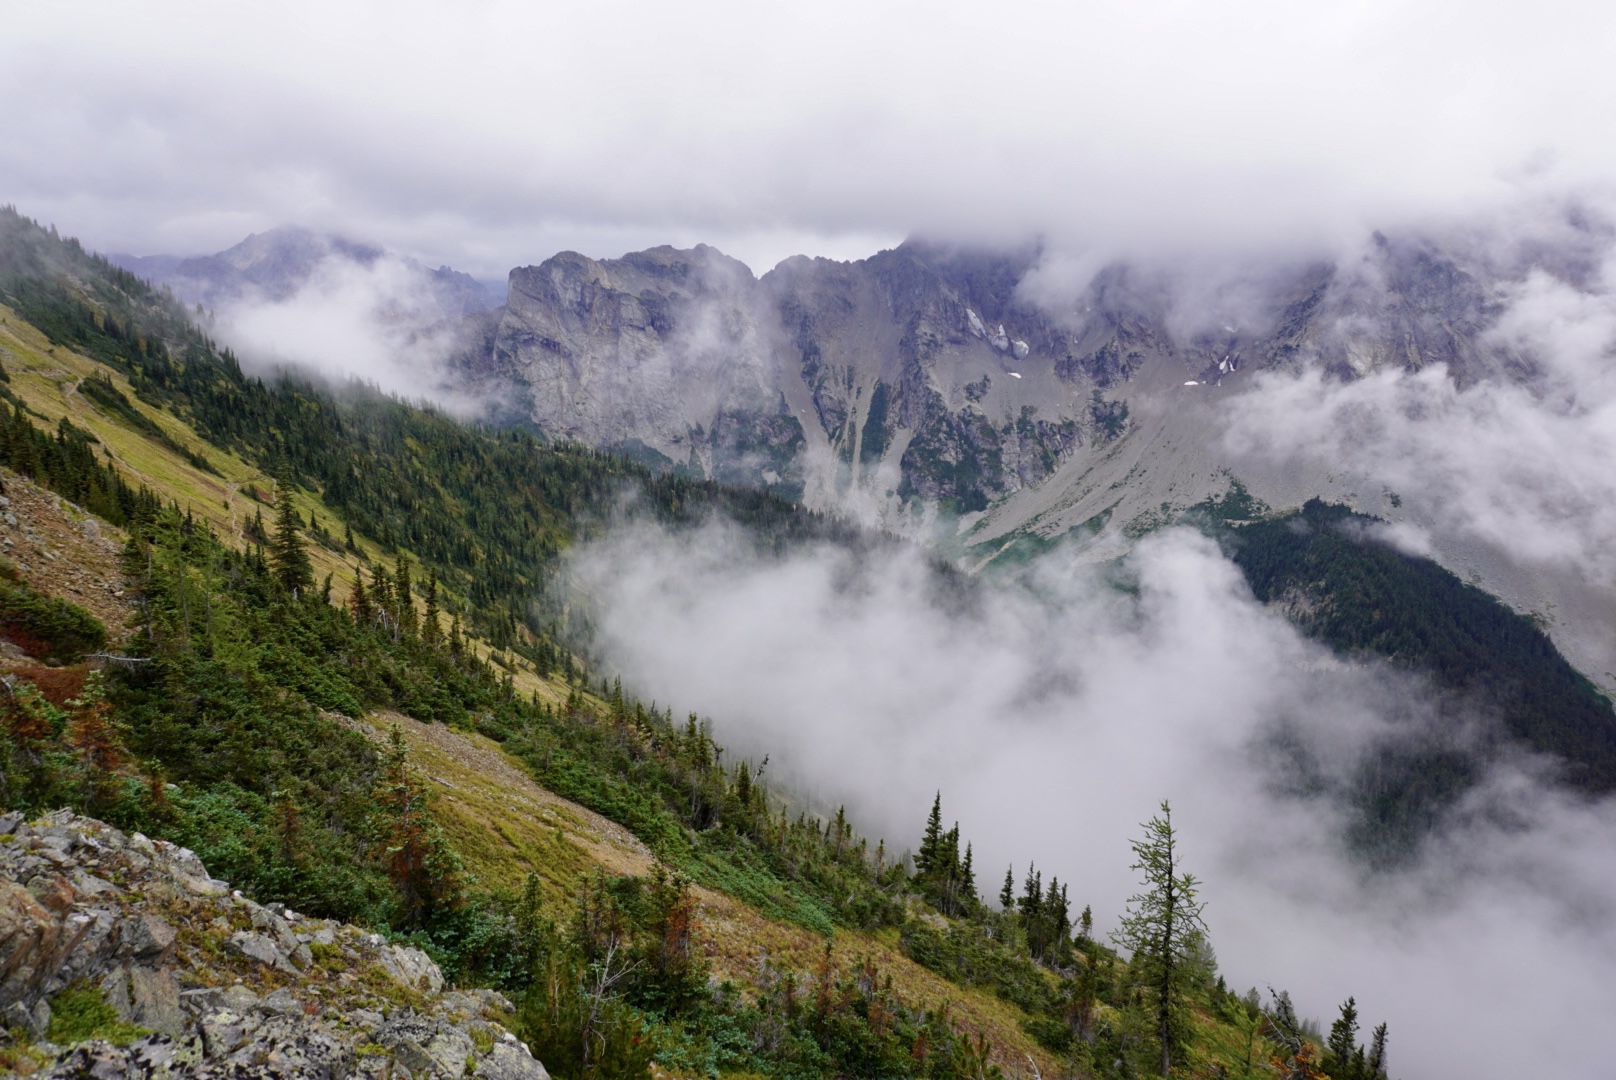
x: 1054, y: 715
x: 1224, y: 157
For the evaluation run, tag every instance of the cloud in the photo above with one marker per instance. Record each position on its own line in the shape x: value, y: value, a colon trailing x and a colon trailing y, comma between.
x: 1526, y: 465
x: 378, y: 323
x: 1054, y: 718
x: 490, y: 134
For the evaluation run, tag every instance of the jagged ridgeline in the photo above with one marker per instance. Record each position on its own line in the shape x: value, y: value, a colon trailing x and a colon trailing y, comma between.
x: 408, y: 745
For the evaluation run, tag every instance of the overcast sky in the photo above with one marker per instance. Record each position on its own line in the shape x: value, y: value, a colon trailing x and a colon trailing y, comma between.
x: 489, y: 134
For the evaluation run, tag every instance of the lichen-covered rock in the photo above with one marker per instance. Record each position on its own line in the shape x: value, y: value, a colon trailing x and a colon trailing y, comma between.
x: 202, y: 982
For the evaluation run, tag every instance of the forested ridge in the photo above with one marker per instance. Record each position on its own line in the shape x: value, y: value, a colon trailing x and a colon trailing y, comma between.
x: 229, y: 719
x: 488, y: 510
x: 1325, y: 567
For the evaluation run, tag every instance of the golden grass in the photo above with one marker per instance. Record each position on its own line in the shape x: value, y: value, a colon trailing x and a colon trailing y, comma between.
x: 505, y: 826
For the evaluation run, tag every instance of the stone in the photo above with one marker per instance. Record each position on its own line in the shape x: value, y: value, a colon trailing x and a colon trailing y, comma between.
x: 145, y: 937
x: 35, y: 1021
x: 223, y: 1031
x: 451, y: 1048
x: 261, y: 949
x: 115, y: 988
x: 87, y: 884
x: 28, y: 940
x: 510, y: 1061
x: 71, y: 925
x: 93, y: 1060
x: 281, y: 1003
x: 412, y: 1056
x: 412, y: 967
x: 159, y: 1056
x: 155, y: 995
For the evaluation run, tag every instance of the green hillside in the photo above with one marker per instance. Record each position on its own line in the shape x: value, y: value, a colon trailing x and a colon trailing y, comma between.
x: 333, y: 637
x: 1362, y: 596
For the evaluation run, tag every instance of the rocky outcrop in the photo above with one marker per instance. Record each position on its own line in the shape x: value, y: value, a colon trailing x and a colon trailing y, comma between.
x: 158, y: 970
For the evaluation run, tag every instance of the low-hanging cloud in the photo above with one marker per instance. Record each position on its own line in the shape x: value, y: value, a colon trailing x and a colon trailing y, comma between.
x: 490, y: 134
x: 1054, y: 718
x: 377, y: 323
x: 1516, y: 465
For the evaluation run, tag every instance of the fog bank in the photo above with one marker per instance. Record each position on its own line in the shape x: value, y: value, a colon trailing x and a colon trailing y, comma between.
x: 1054, y: 718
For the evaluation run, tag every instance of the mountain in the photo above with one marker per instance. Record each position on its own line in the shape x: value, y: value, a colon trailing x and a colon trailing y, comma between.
x: 366, y: 709
x: 889, y: 379
x: 922, y: 379
x: 224, y: 588
x: 924, y: 391
x: 277, y: 265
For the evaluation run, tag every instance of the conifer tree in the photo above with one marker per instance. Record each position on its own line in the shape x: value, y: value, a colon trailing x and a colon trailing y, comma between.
x: 926, y: 857
x: 1342, y: 1042
x: 1032, y: 895
x: 359, y: 601
x: 381, y: 594
x: 427, y: 872
x: 94, y: 738
x: 402, y: 596
x: 1163, y: 929
x: 288, y: 556
x: 1376, y: 1065
x: 431, y: 632
x: 1007, y: 894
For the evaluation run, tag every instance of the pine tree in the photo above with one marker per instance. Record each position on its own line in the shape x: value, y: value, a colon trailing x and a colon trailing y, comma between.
x: 926, y: 857
x: 1007, y: 895
x: 431, y: 632
x: 1342, y: 1042
x: 1376, y: 1065
x: 967, y: 877
x: 381, y: 594
x: 1163, y: 930
x: 1032, y: 895
x: 288, y: 556
x: 359, y: 601
x: 427, y: 872
x: 403, y: 597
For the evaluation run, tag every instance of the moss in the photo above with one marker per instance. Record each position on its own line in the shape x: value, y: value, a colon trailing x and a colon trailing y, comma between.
x: 328, y: 957
x: 81, y: 1012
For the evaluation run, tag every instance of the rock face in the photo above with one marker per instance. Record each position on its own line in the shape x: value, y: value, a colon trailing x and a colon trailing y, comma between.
x: 923, y: 375
x: 202, y: 982
x: 820, y: 379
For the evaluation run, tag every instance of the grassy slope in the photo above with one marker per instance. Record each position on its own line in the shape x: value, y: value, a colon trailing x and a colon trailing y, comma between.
x: 46, y: 378
x: 503, y: 823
